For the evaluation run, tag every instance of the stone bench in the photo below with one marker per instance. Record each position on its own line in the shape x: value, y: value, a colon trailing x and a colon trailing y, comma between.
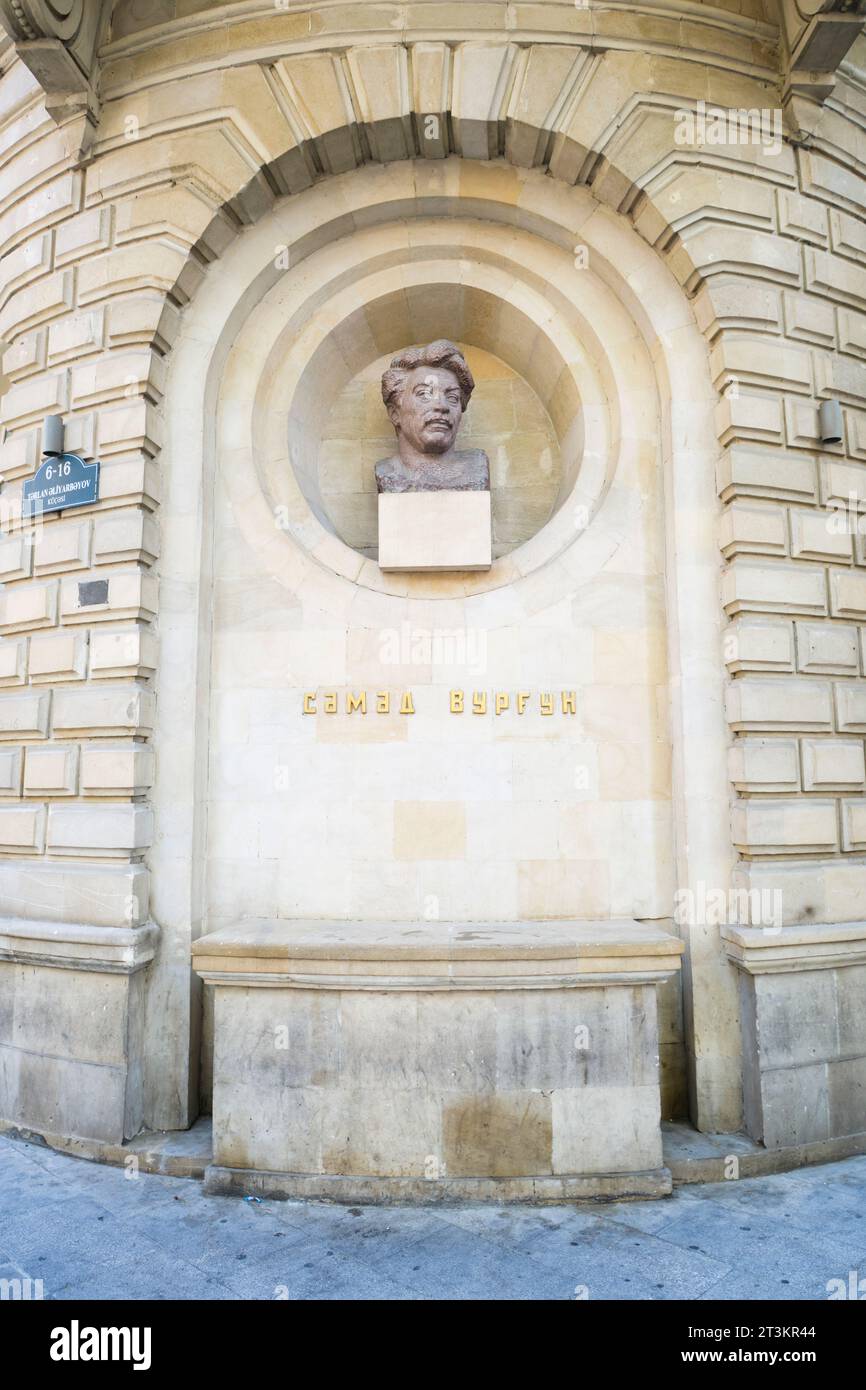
x: 417, y: 1062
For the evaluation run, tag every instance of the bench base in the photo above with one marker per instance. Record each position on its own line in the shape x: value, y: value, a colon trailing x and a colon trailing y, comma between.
x: 425, y: 1062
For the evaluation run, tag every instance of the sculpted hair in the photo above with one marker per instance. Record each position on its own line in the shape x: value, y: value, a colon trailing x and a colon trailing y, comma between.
x: 438, y: 354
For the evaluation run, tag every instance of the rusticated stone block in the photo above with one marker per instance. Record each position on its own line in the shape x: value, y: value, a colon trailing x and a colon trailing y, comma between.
x: 784, y: 827
x: 103, y: 710
x: 833, y: 764
x: 753, y: 645
x: 803, y: 1001
x: 779, y: 704
x: 28, y: 606
x: 125, y: 770
x: 22, y: 829
x: 748, y: 586
x: 765, y: 765
x: 24, y: 715
x: 11, y: 762
x: 71, y: 1028
x: 99, y: 830
x: 13, y: 660
x: 51, y: 771
x: 828, y: 649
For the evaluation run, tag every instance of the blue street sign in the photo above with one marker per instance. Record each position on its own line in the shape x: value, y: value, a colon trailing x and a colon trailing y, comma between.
x: 63, y: 480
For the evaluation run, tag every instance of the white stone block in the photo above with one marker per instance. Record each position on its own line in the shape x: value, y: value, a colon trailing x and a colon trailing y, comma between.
x: 22, y: 828
x: 843, y: 484
x: 30, y: 606
x: 51, y: 771
x: 749, y: 417
x: 115, y: 771
x: 852, y: 332
x: 57, y: 656
x: 854, y: 825
x: 826, y: 649
x: 817, y: 536
x: 851, y: 707
x: 99, y: 830
x: 83, y: 235
x: 811, y: 319
x: 127, y: 536
x: 80, y: 334
x: 111, y: 710
x: 779, y: 704
x: 24, y: 715
x: 102, y: 895
x: 774, y: 588
x: 18, y: 456
x: 15, y: 558
x: 847, y: 594
x: 765, y: 765
x: 759, y: 646
x: 122, y: 652
x: 784, y: 827
x: 62, y: 547
x: 832, y: 763
x: 753, y: 530
x: 13, y: 660
x: 435, y: 531
x: 10, y: 771
x: 748, y: 473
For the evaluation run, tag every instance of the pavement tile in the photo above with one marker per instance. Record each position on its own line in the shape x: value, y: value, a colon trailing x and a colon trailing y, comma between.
x: 614, y: 1261
x: 761, y: 1249
x: 89, y: 1231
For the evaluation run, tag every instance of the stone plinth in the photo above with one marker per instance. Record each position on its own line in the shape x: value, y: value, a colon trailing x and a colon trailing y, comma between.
x: 803, y: 1012
x: 71, y: 1027
x: 428, y: 1062
x: 435, y: 531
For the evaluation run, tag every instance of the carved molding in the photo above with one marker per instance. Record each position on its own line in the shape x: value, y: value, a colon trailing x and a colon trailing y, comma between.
x: 57, y: 40
x: 72, y: 24
x: 816, y: 36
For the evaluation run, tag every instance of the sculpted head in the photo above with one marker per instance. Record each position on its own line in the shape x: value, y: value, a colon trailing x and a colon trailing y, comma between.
x: 426, y: 390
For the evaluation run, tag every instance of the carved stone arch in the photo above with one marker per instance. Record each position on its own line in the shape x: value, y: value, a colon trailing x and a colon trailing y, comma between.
x: 302, y: 165
x: 218, y: 308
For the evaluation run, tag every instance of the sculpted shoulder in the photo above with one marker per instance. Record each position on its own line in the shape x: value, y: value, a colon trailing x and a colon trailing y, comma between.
x: 477, y: 468
x: 466, y: 470
x: 391, y: 475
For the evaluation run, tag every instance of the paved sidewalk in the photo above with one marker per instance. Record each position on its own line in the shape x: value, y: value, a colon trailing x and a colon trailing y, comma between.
x: 89, y: 1231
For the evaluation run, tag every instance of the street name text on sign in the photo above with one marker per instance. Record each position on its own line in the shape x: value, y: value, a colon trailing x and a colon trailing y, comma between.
x: 61, y: 481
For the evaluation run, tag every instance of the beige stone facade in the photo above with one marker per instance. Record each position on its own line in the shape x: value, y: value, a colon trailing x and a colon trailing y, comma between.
x: 647, y: 228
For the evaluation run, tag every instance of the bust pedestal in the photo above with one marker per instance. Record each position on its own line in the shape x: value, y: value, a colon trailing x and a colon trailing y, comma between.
x: 440, y: 530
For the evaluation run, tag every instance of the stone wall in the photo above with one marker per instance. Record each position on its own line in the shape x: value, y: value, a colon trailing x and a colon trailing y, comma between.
x: 110, y: 219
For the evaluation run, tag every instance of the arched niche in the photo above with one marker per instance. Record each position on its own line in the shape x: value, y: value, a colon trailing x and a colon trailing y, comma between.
x: 607, y: 341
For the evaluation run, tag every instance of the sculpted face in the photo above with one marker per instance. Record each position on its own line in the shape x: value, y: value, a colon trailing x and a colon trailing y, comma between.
x: 429, y: 410
x: 426, y: 390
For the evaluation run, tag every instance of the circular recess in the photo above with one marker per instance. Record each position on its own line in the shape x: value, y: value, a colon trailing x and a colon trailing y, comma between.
x: 505, y: 418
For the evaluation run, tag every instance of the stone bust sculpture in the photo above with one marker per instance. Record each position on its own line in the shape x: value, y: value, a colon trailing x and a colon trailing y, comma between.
x: 426, y: 391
